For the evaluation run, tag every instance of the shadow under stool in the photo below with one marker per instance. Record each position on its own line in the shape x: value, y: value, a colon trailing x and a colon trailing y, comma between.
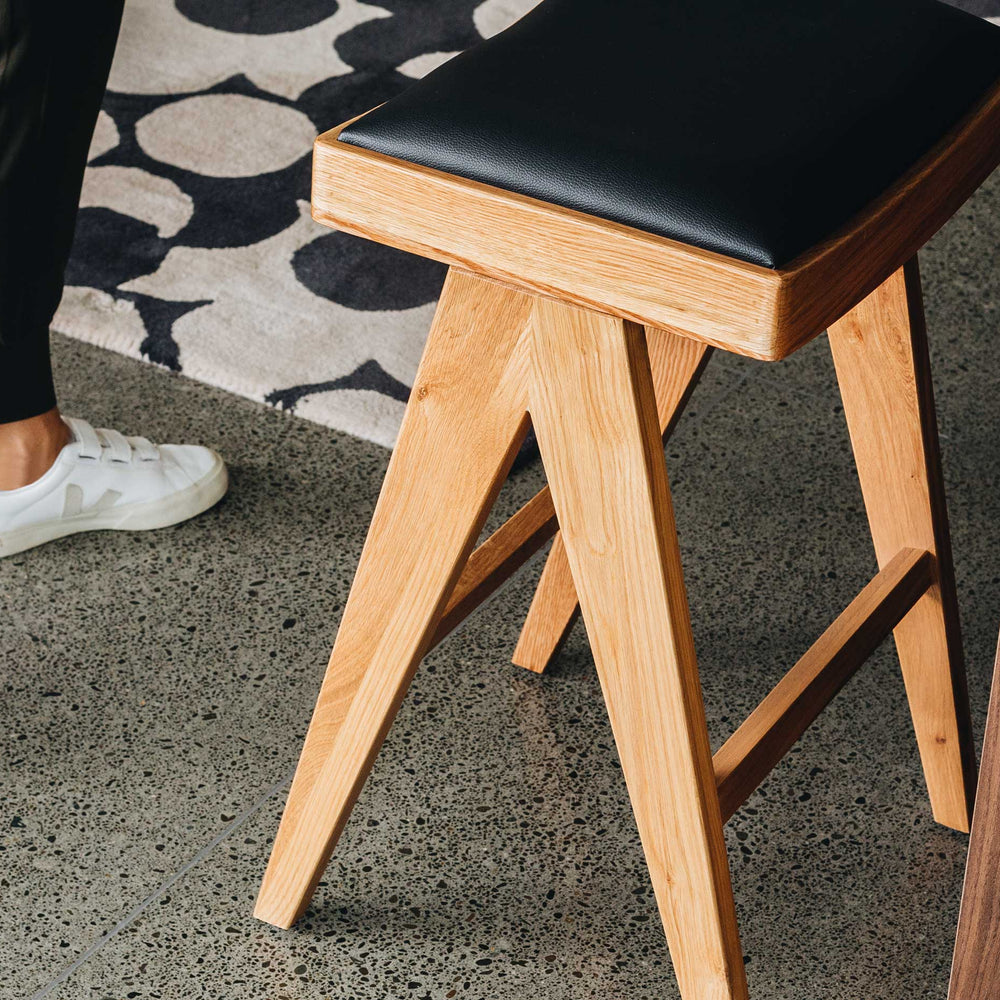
x: 619, y: 189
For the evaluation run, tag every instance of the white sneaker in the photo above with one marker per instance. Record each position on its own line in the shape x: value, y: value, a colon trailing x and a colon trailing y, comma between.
x: 104, y: 480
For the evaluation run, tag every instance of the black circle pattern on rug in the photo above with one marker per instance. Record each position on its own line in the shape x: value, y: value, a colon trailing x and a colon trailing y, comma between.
x: 194, y: 245
x: 257, y: 17
x: 364, y: 275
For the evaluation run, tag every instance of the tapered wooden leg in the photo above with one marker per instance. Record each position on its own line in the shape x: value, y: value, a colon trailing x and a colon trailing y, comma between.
x: 880, y: 352
x: 593, y: 408
x: 463, y: 425
x: 677, y: 364
x: 552, y: 613
x: 975, y: 972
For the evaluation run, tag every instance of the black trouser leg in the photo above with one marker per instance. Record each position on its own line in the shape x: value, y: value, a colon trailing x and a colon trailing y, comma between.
x: 55, y: 56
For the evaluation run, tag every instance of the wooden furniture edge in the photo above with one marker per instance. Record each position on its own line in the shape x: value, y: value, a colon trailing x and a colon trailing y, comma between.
x: 546, y: 249
x: 741, y: 307
x: 819, y: 287
x: 975, y: 968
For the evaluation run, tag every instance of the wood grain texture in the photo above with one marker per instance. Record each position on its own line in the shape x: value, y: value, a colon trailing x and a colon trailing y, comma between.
x: 594, y: 412
x: 975, y: 971
x: 771, y: 730
x: 880, y: 353
x: 463, y: 425
x: 614, y: 269
x: 677, y: 365
x: 539, y: 246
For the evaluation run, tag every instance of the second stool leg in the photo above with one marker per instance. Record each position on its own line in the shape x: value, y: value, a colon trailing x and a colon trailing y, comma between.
x: 593, y: 408
x: 464, y: 422
x: 880, y: 352
x: 677, y: 364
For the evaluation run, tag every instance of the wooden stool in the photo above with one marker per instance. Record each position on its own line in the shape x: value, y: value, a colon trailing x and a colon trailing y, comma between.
x: 605, y: 228
x: 975, y: 971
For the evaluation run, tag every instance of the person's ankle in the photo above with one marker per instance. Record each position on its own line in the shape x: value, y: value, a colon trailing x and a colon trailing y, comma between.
x: 28, y: 448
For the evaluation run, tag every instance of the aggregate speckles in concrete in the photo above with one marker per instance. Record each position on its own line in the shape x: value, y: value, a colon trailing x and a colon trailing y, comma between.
x: 156, y: 690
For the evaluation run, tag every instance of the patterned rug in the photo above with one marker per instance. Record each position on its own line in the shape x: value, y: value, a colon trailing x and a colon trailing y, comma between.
x: 195, y: 249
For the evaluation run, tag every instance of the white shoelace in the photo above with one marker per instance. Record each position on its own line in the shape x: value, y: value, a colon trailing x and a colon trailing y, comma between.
x: 102, y: 442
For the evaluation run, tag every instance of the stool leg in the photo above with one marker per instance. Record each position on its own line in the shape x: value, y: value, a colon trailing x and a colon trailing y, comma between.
x: 594, y: 412
x: 463, y: 426
x: 677, y: 364
x: 880, y: 352
x: 552, y: 613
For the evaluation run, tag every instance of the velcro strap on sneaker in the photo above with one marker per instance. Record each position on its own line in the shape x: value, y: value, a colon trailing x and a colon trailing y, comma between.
x: 86, y: 437
x: 119, y: 450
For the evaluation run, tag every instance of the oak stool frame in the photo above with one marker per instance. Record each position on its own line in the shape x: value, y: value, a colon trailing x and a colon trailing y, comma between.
x: 596, y: 338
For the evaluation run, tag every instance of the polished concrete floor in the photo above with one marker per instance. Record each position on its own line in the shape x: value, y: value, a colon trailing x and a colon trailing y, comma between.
x: 156, y: 688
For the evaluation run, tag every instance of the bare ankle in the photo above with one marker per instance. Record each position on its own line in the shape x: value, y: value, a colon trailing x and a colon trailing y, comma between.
x: 28, y: 448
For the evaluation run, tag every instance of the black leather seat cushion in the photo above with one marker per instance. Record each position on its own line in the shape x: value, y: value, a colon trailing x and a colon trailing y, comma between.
x: 755, y: 128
